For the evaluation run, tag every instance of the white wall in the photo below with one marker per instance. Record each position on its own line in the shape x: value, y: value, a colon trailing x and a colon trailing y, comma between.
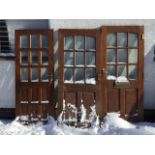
x: 7, y: 84
x: 149, y: 36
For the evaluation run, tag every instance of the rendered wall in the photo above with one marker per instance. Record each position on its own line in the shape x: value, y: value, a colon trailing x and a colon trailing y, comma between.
x: 7, y: 84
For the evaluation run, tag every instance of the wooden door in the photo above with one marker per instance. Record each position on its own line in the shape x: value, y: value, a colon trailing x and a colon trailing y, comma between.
x: 77, y: 71
x: 34, y: 73
x: 122, y: 55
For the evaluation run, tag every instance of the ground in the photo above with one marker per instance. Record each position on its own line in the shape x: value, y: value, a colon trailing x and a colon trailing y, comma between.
x: 111, y: 125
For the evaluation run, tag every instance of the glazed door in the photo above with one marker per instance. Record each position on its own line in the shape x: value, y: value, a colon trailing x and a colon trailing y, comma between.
x: 77, y: 71
x: 34, y: 72
x: 122, y: 69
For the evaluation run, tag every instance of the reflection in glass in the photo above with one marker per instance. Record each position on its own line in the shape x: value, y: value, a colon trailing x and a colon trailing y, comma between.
x: 34, y: 41
x: 44, y: 57
x: 69, y: 42
x: 68, y: 58
x: 90, y: 75
x: 24, y: 57
x: 122, y: 56
x: 121, y: 70
x: 68, y: 75
x: 35, y: 57
x: 122, y: 39
x: 90, y: 43
x: 35, y: 75
x: 24, y: 74
x: 44, y: 41
x: 79, y: 75
x: 133, y: 39
x: 44, y: 74
x: 79, y: 42
x: 111, y: 70
x: 79, y: 58
x: 132, y: 72
x: 111, y: 56
x: 90, y: 58
x: 133, y: 55
x: 24, y: 41
x: 111, y: 40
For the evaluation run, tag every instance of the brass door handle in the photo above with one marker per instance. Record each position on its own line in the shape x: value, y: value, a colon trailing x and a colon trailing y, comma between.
x: 103, y: 71
x: 100, y: 73
x: 51, y: 76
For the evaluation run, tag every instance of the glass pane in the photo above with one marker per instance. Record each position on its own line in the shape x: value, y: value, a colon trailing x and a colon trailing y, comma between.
x: 34, y: 41
x: 133, y: 39
x: 111, y: 56
x: 79, y: 42
x: 44, y: 41
x: 132, y: 72
x: 24, y: 41
x: 44, y: 57
x: 79, y: 58
x: 90, y: 58
x: 69, y: 42
x: 79, y: 75
x: 111, y: 71
x: 44, y: 74
x: 121, y: 70
x: 68, y: 58
x: 90, y: 76
x: 133, y: 56
x: 122, y: 56
x: 122, y: 39
x: 24, y: 57
x: 111, y: 40
x: 35, y: 57
x: 68, y: 75
x: 91, y: 43
x: 35, y: 75
x: 24, y: 74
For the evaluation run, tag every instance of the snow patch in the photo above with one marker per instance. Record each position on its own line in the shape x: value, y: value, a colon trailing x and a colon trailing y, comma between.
x: 112, y: 124
x: 110, y: 77
x: 113, y: 120
x: 121, y: 79
x: 88, y: 81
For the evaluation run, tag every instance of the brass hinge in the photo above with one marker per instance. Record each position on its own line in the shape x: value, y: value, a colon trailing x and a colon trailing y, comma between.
x: 142, y: 36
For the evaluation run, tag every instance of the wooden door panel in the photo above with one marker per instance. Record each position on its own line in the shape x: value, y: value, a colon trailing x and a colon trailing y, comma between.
x: 77, y: 69
x: 113, y: 101
x: 122, y: 55
x: 77, y: 99
x: 131, y: 101
x: 34, y: 72
x: 88, y: 99
x: 70, y: 97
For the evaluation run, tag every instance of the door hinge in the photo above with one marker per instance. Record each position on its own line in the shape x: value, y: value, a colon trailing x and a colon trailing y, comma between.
x: 142, y: 36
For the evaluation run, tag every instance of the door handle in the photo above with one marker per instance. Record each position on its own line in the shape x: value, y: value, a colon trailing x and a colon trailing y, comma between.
x: 103, y: 71
x: 51, y: 76
x: 100, y: 73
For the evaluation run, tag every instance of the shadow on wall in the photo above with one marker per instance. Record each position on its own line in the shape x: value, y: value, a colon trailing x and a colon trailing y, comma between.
x: 149, y: 80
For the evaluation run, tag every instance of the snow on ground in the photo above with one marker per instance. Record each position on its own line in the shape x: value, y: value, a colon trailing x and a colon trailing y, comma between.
x: 111, y: 125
